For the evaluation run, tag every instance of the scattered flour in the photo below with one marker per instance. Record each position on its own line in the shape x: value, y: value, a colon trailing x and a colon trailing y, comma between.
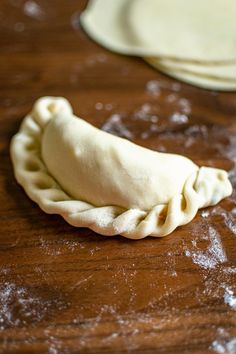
x: 172, y: 98
x: 179, y: 118
x: 224, y: 347
x: 108, y: 106
x: 146, y: 113
x: 230, y: 298
x: 224, y: 343
x: 228, y: 217
x: 115, y: 125
x: 99, y: 106
x: 153, y: 87
x: 141, y: 114
x: 145, y: 135
x: 205, y: 213
x: 214, y: 255
x: 197, y: 130
x: 229, y: 152
x: 101, y: 57
x: 184, y: 105
x: 97, y: 59
x: 176, y: 86
x: 32, y: 9
x: 19, y: 305
x: 230, y: 270
x: 216, y: 248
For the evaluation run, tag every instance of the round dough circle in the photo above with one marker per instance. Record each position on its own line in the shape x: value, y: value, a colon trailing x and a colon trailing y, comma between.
x: 109, y: 28
x: 201, y: 30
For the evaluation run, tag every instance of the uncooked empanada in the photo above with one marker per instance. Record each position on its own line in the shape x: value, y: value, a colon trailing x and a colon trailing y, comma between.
x: 97, y: 180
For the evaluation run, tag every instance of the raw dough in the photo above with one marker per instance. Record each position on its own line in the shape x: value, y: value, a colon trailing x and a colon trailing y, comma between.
x: 97, y: 180
x: 110, y: 27
x: 189, y: 30
x: 185, y: 39
x: 196, y: 79
x: 226, y: 73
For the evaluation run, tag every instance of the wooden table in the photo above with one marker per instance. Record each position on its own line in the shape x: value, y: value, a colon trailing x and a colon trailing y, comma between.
x: 68, y: 290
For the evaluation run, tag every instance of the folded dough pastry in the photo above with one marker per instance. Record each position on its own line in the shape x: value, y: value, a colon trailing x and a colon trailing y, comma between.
x: 97, y: 180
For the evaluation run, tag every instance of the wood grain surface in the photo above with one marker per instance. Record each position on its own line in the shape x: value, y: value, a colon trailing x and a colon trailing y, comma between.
x: 68, y: 290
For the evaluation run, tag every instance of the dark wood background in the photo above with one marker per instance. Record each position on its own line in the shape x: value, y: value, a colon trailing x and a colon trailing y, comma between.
x: 68, y: 290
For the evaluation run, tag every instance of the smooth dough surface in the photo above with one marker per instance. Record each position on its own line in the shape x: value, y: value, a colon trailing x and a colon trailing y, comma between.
x: 109, y: 27
x: 201, y: 30
x: 97, y: 180
x: 107, y: 170
x: 196, y: 79
x: 189, y: 30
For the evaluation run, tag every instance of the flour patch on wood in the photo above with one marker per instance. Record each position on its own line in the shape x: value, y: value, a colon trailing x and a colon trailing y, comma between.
x: 34, y: 10
x: 20, y: 305
x: 214, y: 255
x: 224, y: 342
x: 230, y: 297
x: 115, y: 125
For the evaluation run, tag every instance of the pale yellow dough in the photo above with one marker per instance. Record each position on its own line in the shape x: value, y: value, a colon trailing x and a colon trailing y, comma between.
x: 97, y: 180
x: 193, y: 78
x: 193, y: 41
x: 202, y: 30
x: 221, y: 72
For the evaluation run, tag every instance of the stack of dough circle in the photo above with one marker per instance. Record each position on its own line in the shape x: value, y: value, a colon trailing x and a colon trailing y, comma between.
x: 111, y: 185
x: 193, y: 41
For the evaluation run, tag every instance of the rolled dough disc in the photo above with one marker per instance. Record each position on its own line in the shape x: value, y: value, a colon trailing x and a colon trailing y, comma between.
x: 187, y: 30
x: 201, y: 30
x: 202, y: 81
x: 225, y: 72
